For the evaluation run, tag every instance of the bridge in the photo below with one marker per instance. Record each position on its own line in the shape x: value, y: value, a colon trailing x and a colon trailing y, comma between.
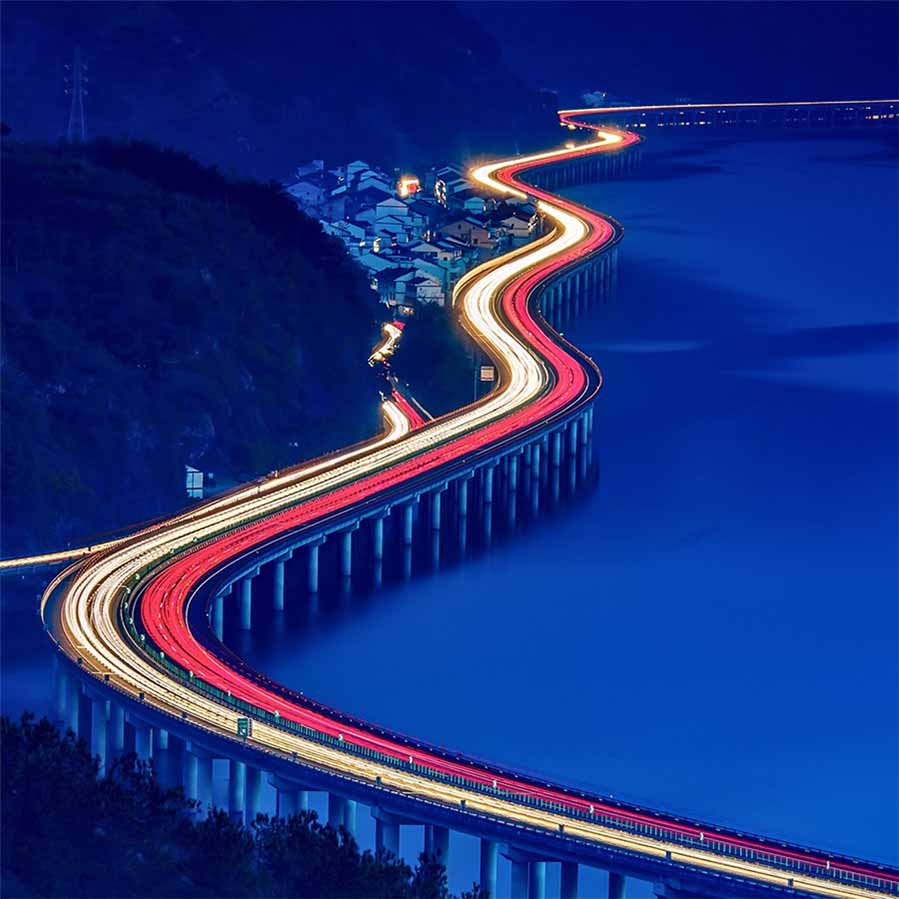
x: 139, y: 620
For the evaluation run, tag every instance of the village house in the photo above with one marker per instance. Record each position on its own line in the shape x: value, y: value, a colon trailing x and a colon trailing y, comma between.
x: 471, y: 232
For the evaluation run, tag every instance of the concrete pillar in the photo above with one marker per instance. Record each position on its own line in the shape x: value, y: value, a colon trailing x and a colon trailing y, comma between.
x: 312, y: 567
x: 115, y: 731
x: 568, y: 880
x: 336, y: 810
x: 527, y: 459
x: 73, y: 703
x: 512, y: 497
x: 237, y: 789
x: 387, y: 836
x: 536, y: 880
x: 162, y: 759
x: 437, y: 843
x: 377, y: 547
x: 616, y: 885
x: 349, y: 816
x: 519, y: 888
x: 278, y: 586
x: 582, y: 440
x: 556, y: 464
x: 253, y: 793
x: 346, y: 555
x: 436, y: 506
x: 488, y: 867
x: 98, y: 731
x: 190, y: 774
x: 572, y: 456
x: 246, y: 602
x: 292, y: 801
x: 204, y: 781
x: 408, y: 521
x: 462, y: 513
x: 218, y: 616
x: 487, y: 498
x: 60, y: 692
x: 141, y: 740
x: 535, y: 480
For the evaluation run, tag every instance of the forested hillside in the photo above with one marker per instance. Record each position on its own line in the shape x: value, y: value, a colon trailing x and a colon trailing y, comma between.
x: 157, y: 314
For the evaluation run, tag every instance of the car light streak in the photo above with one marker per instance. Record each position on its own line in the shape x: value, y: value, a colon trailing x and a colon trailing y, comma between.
x: 153, y: 575
x: 390, y: 333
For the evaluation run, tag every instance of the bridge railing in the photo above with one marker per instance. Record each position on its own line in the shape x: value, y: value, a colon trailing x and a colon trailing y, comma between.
x: 713, y: 843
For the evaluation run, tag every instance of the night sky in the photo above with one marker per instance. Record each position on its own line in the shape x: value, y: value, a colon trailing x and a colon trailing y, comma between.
x: 706, y: 51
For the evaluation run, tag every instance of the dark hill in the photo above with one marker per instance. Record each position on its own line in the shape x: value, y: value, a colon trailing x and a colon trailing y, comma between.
x: 157, y: 314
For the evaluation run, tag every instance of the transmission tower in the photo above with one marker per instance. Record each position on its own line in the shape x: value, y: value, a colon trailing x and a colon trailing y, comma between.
x: 76, y: 79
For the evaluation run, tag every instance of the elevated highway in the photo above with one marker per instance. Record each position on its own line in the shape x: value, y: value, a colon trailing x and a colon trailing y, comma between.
x: 139, y: 621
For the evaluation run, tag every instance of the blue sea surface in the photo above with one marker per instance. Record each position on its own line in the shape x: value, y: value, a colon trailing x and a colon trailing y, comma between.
x: 712, y: 630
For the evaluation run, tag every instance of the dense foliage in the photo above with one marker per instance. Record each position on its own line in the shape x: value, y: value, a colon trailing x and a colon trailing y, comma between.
x: 68, y: 833
x: 157, y: 314
x: 435, y: 357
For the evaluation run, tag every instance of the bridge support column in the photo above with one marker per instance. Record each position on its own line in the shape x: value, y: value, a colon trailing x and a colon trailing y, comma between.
x: 342, y: 813
x: 572, y: 456
x: 408, y: 529
x: 163, y: 763
x: 246, y: 600
x: 196, y: 773
x: 527, y: 460
x: 556, y: 464
x: 377, y: 547
x: 237, y: 789
x: 291, y: 797
x: 278, y: 582
x: 387, y: 832
x: 616, y: 885
x: 99, y: 719
x: 436, y: 503
x: 73, y: 704
x: 336, y: 810
x: 142, y: 738
x: 583, y: 441
x: 115, y: 732
x: 60, y: 692
x: 252, y: 793
x: 535, y: 480
x: 190, y: 777
x: 519, y: 886
x: 537, y: 880
x: 437, y: 843
x: 512, y: 486
x: 346, y: 557
x: 568, y: 877
x: 487, y: 500
x: 462, y: 511
x: 312, y: 566
x: 489, y: 852
x: 204, y: 782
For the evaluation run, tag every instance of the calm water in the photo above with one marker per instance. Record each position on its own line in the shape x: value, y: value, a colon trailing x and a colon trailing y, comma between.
x: 713, y: 630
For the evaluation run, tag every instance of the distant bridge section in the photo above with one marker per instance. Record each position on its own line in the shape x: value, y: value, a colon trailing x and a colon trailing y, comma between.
x: 808, y: 114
